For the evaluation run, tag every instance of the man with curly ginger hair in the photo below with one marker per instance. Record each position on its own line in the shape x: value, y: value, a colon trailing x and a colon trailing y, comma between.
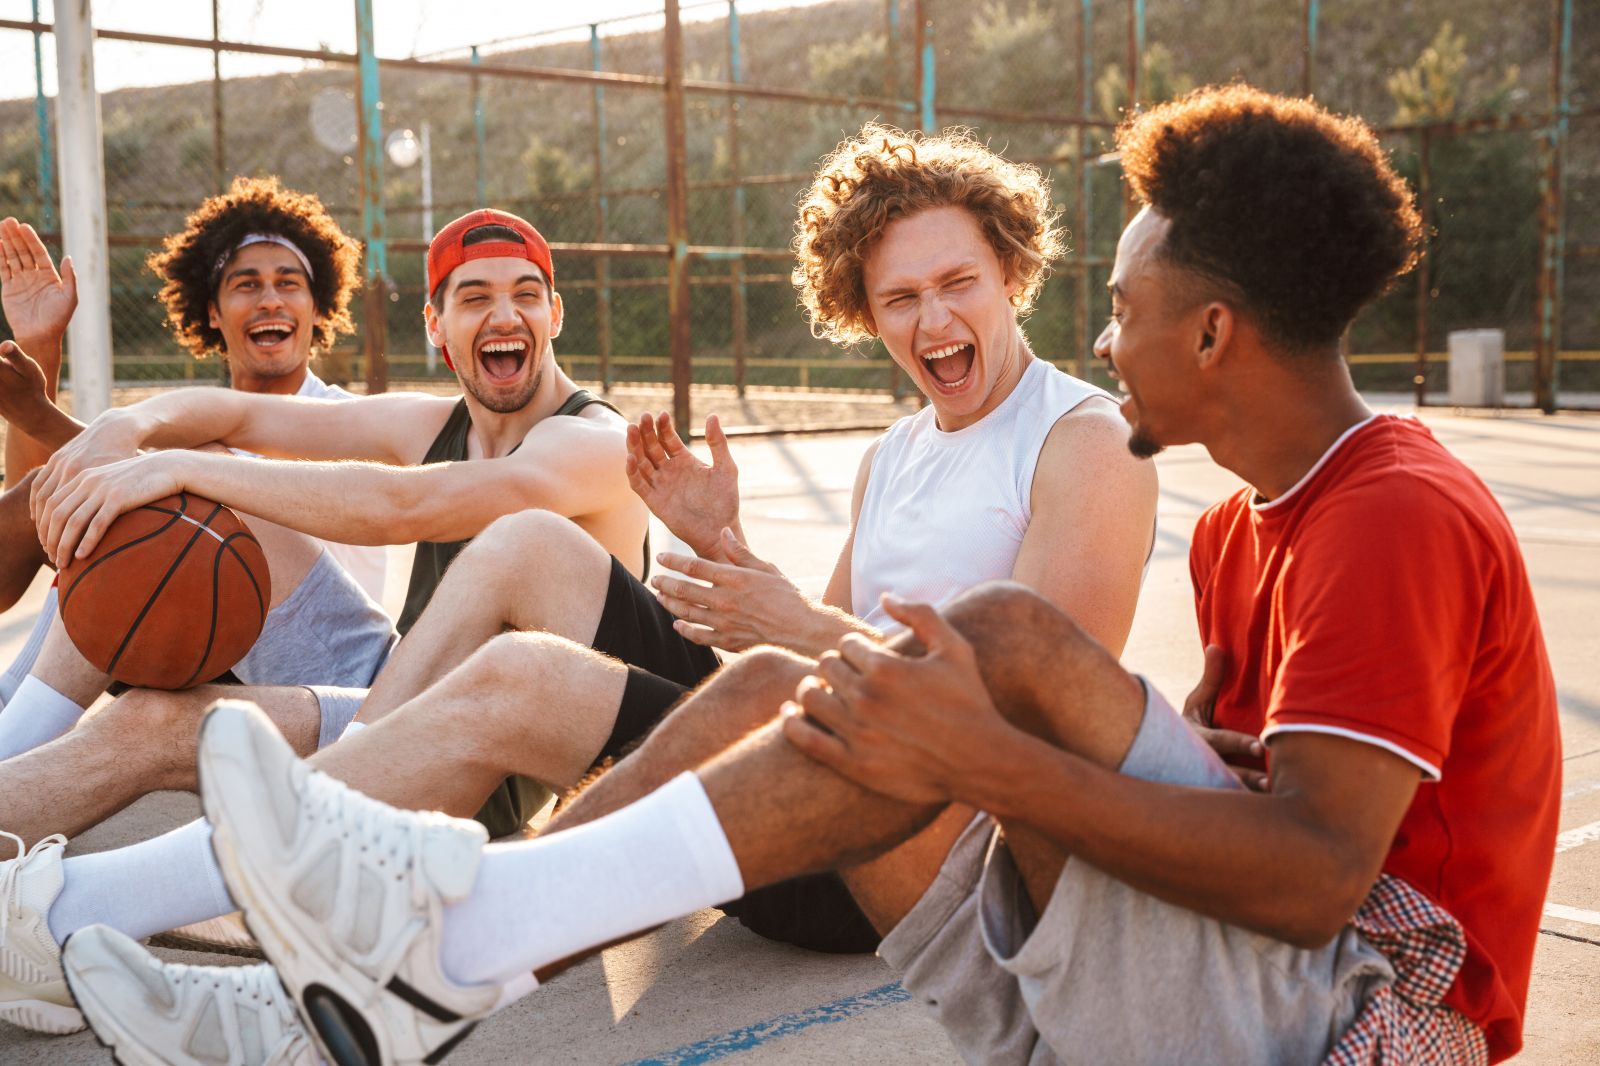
x: 1368, y: 892
x: 1014, y: 470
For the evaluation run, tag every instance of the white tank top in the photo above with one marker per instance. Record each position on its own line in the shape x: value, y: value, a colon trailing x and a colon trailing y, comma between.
x: 946, y: 511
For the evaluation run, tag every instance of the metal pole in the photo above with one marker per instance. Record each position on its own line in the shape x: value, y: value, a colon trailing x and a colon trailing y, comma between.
x: 83, y: 207
x: 1135, y: 61
x: 677, y: 219
x: 1419, y: 379
x: 735, y: 75
x: 926, y: 80
x: 1308, y: 48
x: 219, y: 166
x: 41, y: 118
x: 480, y: 134
x: 431, y: 356
x: 1552, y: 213
x: 891, y: 58
x: 602, y: 265
x: 375, y: 302
x: 1085, y: 175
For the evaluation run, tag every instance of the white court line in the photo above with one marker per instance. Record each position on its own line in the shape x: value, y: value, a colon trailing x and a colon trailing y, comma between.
x: 1581, y: 790
x: 1572, y: 914
x: 1576, y: 838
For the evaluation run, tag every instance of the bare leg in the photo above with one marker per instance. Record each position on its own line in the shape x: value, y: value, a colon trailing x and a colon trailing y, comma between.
x: 140, y: 743
x: 524, y: 703
x: 528, y: 571
x: 23, y: 556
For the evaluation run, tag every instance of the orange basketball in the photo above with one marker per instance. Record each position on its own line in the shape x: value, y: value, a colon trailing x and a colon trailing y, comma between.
x: 173, y: 595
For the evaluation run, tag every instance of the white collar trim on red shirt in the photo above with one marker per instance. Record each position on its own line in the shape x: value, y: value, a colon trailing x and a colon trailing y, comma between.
x: 1258, y: 504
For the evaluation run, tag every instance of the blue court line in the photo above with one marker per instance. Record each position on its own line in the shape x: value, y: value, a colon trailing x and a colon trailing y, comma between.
x: 750, y: 1036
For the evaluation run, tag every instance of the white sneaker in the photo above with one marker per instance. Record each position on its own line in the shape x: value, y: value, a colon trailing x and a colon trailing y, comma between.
x: 33, y: 993
x: 152, y: 1013
x: 345, y: 894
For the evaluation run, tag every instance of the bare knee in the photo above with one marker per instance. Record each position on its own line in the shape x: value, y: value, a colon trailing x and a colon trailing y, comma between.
x: 529, y: 540
x: 768, y: 672
x: 158, y: 728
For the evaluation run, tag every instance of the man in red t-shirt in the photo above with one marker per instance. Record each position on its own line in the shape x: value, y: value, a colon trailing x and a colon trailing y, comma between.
x: 1064, y: 869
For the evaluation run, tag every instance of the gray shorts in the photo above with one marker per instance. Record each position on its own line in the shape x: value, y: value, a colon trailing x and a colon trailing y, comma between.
x: 328, y: 636
x: 1109, y: 973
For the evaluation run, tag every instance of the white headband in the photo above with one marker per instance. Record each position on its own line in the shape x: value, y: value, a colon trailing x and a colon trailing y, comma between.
x: 264, y: 238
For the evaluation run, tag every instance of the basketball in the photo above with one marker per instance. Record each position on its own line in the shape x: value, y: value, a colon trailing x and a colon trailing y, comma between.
x: 173, y: 595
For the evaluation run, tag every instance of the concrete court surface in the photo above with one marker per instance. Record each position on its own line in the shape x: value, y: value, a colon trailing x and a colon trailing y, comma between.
x: 703, y: 989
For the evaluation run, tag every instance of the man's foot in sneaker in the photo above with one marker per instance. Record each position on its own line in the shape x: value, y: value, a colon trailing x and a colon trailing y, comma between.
x: 33, y: 993
x: 151, y: 1013
x: 345, y: 894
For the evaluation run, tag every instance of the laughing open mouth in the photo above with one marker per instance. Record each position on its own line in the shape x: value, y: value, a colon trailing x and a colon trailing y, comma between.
x: 503, y: 359
x: 951, y: 364
x: 270, y: 334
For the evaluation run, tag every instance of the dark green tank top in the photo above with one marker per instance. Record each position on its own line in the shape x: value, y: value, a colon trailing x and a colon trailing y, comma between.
x: 518, y: 798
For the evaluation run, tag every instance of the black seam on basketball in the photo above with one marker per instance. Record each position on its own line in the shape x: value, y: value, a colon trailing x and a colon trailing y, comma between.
x: 448, y: 1046
x: 118, y: 550
x: 211, y: 633
x: 421, y: 1002
x: 227, y: 544
x: 149, y: 603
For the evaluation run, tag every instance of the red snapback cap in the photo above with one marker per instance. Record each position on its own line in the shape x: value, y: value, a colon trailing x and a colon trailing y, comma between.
x: 446, y: 251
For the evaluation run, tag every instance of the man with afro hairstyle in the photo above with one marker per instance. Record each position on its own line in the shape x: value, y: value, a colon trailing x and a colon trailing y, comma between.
x: 1362, y: 879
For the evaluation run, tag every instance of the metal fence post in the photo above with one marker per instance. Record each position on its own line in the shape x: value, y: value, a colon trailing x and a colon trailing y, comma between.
x: 1085, y: 181
x: 677, y: 219
x: 41, y: 118
x: 1419, y: 380
x: 219, y: 166
x: 1135, y: 62
x: 1308, y: 48
x: 479, y: 133
x: 736, y: 281
x: 375, y: 296
x: 83, y: 208
x: 927, y: 82
x: 602, y: 263
x: 1552, y: 213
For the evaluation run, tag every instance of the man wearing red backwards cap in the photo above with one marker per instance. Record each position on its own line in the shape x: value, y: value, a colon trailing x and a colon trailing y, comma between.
x: 425, y: 469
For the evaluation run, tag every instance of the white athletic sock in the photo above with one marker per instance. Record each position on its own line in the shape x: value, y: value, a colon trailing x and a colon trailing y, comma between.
x: 143, y: 889
x: 36, y: 715
x: 538, y: 901
x: 23, y: 663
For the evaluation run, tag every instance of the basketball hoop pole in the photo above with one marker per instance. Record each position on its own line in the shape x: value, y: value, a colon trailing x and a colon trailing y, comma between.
x: 83, y: 208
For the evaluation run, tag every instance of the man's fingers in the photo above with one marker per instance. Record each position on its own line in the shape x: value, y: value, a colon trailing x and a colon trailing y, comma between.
x: 650, y: 441
x: 925, y: 623
x: 717, y: 441
x: 69, y: 277
x: 33, y: 250
x: 1228, y: 742
x: 702, y: 635
x: 669, y: 436
x: 810, y: 739
x: 690, y: 592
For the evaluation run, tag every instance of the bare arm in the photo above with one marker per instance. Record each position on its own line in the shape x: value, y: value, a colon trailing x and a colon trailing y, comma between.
x: 38, y: 303
x: 1094, y: 511
x: 572, y: 466
x: 738, y: 601
x: 1293, y: 863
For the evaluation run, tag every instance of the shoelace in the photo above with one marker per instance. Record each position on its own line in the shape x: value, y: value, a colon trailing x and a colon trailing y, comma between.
x: 11, y: 875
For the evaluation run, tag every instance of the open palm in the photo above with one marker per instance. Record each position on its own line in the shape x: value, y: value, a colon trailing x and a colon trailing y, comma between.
x: 38, y: 302
x: 695, y: 500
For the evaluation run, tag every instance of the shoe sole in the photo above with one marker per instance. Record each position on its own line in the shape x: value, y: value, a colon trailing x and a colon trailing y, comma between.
x: 179, y: 942
x: 40, y: 1016
x: 117, y: 1041
x: 327, y: 1004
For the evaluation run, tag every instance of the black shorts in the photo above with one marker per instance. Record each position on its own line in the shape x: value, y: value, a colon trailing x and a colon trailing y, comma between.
x: 815, y: 912
x: 662, y: 666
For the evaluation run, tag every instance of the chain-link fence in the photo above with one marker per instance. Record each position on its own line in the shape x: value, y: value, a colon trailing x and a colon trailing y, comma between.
x: 1492, y: 114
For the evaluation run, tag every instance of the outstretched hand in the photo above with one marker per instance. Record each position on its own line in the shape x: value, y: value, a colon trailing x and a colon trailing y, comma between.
x: 740, y: 603
x: 38, y: 302
x: 1228, y: 743
x: 695, y: 501
x: 914, y: 727
x: 25, y: 402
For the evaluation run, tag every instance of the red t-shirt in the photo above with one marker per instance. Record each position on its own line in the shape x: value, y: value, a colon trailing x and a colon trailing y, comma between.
x: 1384, y: 598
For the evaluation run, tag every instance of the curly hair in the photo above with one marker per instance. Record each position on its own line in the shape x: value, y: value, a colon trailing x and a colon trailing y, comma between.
x: 1295, y: 210
x: 187, y: 260
x: 884, y: 173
